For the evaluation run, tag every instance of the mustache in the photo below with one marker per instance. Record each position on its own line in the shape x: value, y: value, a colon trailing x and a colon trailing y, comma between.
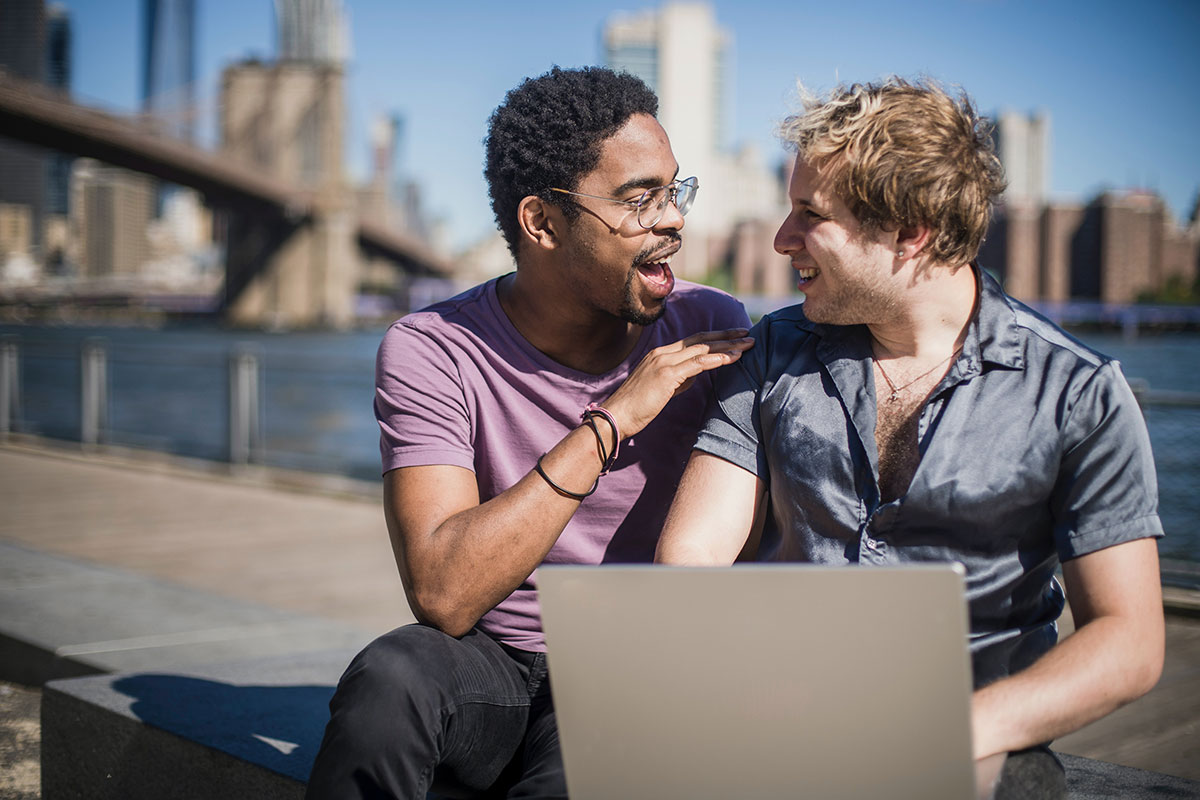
x: 673, y: 242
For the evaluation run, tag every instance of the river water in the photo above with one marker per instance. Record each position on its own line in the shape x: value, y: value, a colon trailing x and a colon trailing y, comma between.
x: 169, y: 388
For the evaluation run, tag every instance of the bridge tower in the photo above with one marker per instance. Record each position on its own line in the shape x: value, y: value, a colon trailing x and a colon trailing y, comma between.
x: 286, y: 119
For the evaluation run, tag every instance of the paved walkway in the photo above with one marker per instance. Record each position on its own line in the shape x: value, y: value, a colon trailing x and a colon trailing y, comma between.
x: 320, y: 546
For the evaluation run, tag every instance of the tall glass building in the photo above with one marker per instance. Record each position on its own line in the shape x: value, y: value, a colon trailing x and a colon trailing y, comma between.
x: 22, y: 167
x: 312, y: 31
x: 169, y: 65
x: 58, y: 75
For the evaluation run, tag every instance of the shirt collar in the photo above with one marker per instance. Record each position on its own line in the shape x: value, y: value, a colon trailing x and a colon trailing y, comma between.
x: 994, y: 326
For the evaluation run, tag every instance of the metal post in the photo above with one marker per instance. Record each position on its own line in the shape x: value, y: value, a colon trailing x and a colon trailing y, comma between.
x: 10, y: 384
x: 245, y: 435
x: 1129, y: 325
x: 93, y: 386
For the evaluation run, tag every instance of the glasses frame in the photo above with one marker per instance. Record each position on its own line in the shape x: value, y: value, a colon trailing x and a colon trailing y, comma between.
x: 642, y: 203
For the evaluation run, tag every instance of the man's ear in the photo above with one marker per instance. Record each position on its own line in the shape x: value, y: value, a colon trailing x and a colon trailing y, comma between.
x: 539, y: 221
x: 913, y: 240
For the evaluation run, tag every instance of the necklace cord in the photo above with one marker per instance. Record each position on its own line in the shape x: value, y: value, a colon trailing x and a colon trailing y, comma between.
x: 897, y: 390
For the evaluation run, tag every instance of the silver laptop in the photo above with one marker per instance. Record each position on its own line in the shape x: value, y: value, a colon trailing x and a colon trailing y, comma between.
x: 760, y: 681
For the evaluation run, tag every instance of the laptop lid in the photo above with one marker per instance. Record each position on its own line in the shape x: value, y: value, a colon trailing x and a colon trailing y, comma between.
x: 760, y: 681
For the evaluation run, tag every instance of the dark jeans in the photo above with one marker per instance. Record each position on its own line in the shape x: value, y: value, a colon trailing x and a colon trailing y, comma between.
x: 1033, y: 774
x: 418, y: 710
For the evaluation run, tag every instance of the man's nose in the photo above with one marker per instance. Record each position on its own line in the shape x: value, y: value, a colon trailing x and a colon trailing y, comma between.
x: 789, y: 238
x: 671, y: 218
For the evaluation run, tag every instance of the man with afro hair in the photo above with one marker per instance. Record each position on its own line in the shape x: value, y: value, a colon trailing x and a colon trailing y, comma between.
x: 541, y: 417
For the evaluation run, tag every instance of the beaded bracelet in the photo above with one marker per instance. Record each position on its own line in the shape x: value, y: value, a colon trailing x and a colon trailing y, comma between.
x: 595, y: 409
x: 559, y: 489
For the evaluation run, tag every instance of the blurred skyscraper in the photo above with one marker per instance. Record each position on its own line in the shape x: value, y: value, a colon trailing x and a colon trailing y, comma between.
x: 169, y: 65
x: 1023, y: 144
x: 22, y: 168
x: 111, y: 211
x: 681, y: 52
x: 58, y: 75
x: 173, y: 241
x: 312, y: 31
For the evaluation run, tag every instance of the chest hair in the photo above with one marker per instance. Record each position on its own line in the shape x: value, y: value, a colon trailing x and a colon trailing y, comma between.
x: 896, y: 425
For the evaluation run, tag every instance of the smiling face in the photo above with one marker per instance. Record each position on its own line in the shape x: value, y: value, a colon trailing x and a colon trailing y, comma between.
x: 847, y: 275
x: 614, y: 263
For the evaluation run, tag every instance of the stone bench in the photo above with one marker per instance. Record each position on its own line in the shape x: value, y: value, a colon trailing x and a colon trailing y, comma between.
x: 60, y: 617
x: 150, y: 716
x: 239, y: 730
x: 251, y: 730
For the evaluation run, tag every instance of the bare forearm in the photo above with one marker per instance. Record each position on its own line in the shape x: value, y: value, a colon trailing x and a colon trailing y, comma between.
x: 1114, y: 656
x: 1089, y: 675
x: 481, y: 554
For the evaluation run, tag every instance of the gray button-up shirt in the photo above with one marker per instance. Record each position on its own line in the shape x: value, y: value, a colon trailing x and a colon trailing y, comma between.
x: 1033, y: 450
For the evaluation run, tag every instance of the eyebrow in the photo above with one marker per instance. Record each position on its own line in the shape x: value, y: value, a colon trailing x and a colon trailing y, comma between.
x: 642, y: 183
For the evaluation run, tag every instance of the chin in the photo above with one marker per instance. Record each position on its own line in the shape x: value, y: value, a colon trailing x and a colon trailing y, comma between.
x: 642, y: 317
x: 637, y: 313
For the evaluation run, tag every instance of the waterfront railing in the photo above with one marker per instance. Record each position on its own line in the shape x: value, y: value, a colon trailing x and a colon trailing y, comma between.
x: 236, y: 405
x: 310, y: 412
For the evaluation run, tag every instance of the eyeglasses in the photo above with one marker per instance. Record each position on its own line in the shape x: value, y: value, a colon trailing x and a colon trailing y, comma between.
x: 653, y: 203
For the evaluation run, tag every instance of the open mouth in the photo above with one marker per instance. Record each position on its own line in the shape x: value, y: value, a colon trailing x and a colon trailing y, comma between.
x: 805, y: 276
x: 657, y: 276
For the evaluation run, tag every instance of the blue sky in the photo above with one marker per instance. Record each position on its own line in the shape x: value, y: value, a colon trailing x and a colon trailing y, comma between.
x: 1118, y: 79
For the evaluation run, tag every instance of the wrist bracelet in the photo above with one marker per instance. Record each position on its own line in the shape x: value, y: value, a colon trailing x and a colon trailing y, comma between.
x: 597, y: 409
x: 559, y: 489
x: 590, y: 419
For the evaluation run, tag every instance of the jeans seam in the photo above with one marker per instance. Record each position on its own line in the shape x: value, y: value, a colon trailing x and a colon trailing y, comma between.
x: 537, y: 674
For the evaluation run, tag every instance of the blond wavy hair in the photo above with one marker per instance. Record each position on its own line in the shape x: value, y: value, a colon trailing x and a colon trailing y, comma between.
x: 901, y: 154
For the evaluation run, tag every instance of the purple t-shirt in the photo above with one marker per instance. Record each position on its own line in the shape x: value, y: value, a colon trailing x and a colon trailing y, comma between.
x: 457, y: 384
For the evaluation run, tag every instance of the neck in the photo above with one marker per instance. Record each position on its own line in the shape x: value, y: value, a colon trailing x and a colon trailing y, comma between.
x: 933, y: 323
x: 587, y: 342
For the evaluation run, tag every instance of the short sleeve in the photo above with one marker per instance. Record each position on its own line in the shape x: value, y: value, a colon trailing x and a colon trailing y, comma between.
x: 1107, y: 490
x: 423, y: 414
x: 733, y: 429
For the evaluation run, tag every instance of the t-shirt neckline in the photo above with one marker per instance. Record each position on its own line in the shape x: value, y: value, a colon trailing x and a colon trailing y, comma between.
x: 492, y: 297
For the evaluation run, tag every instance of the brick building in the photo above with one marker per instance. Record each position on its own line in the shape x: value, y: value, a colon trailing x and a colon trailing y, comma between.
x: 1116, y: 248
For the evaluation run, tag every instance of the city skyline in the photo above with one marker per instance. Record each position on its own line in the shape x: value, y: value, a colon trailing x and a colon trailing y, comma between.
x: 1120, y: 99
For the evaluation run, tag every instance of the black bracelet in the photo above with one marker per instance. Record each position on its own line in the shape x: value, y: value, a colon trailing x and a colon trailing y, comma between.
x: 559, y: 489
x: 606, y: 459
x: 604, y: 465
x: 595, y: 409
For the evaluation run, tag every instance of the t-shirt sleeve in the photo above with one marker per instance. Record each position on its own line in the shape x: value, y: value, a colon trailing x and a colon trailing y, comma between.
x: 733, y: 430
x: 1107, y: 490
x: 423, y: 414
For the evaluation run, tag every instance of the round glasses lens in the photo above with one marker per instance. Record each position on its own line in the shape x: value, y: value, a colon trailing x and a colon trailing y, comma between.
x: 653, y: 203
x: 686, y: 194
x: 651, y: 206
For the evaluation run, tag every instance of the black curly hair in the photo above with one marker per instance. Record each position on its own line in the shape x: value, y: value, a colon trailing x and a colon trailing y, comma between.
x: 548, y: 132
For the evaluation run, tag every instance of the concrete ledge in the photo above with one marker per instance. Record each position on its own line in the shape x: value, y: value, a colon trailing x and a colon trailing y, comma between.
x: 211, y: 697
x: 240, y: 730
x: 62, y: 618
x: 251, y: 730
